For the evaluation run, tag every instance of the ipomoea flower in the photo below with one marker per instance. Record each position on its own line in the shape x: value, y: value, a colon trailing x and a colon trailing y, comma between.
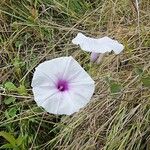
x: 97, y: 46
x: 62, y: 86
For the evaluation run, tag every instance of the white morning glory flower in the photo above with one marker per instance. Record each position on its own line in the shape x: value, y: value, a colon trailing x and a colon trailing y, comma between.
x: 62, y: 86
x: 97, y: 46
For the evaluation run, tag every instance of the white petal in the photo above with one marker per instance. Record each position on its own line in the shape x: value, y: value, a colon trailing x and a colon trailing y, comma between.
x: 66, y: 105
x: 41, y: 94
x: 73, y: 100
x: 51, y: 105
x: 41, y: 79
x: 75, y: 73
x: 100, y: 45
x: 54, y: 68
x: 46, y: 94
x: 81, y: 94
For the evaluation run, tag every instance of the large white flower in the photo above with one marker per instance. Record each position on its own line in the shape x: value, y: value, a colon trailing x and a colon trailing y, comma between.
x: 62, y: 86
x: 97, y: 46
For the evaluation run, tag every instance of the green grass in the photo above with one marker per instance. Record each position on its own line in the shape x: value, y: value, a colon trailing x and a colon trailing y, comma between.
x: 118, y: 116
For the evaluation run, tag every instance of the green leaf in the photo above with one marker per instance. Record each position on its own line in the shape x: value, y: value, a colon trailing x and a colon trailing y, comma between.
x: 6, y: 114
x: 18, y: 43
x: 10, y: 86
x: 115, y: 87
x: 12, y: 111
x: 19, y: 140
x: 9, y: 137
x: 9, y: 100
x: 146, y: 81
x: 17, y: 65
x: 22, y: 90
x: 6, y: 146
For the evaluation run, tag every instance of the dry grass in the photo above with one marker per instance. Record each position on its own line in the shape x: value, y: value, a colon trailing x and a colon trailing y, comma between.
x: 118, y: 116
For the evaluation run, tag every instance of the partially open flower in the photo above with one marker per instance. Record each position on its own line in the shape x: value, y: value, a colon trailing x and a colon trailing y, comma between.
x: 97, y: 46
x: 62, y: 86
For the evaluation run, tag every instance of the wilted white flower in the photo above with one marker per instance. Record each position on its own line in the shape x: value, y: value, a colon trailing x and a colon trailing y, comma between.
x: 62, y: 86
x: 97, y: 46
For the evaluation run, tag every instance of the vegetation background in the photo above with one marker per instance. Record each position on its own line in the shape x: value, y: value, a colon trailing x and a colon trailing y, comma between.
x: 118, y: 116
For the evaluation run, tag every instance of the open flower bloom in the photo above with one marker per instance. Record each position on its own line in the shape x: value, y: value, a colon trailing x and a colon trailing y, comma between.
x: 97, y: 46
x: 62, y: 86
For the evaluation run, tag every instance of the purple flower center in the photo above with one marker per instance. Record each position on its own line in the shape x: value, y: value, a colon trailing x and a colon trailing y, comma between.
x: 62, y: 85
